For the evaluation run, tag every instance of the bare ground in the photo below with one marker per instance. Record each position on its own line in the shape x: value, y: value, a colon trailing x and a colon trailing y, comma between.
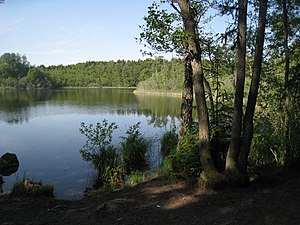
x: 268, y: 200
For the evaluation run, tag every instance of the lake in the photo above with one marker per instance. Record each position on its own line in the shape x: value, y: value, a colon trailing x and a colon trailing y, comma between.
x: 42, y: 128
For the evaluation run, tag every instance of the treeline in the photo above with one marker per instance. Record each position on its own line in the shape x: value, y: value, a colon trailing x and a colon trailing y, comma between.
x: 16, y: 72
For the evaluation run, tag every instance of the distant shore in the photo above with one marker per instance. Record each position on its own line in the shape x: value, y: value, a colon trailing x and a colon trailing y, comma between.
x: 165, y: 93
x: 136, y: 91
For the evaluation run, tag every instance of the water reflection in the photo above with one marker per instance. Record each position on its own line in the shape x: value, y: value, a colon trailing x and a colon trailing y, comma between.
x: 21, y: 106
x: 42, y: 128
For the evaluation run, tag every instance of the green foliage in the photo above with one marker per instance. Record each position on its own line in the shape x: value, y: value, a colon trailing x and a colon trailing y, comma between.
x: 137, y: 177
x: 161, y: 31
x: 38, y: 79
x: 98, y: 141
x: 267, y: 144
x: 119, y: 73
x: 16, y: 72
x: 13, y: 65
x: 133, y: 149
x: 220, y: 133
x: 167, y: 77
x: 111, y: 178
x: 111, y: 163
x: 167, y: 169
x: 213, y: 179
x: 99, y: 150
x: 27, y: 188
x: 184, y: 163
x: 168, y: 142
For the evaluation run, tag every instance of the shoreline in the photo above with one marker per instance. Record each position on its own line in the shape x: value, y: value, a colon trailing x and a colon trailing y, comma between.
x: 157, y: 93
x: 159, y: 201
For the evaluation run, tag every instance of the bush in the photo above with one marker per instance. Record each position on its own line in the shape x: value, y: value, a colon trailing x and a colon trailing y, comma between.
x: 98, y: 142
x: 184, y: 163
x: 111, y: 163
x: 267, y: 145
x: 167, y: 169
x: 133, y: 149
x: 109, y: 169
x: 168, y: 142
x: 111, y: 178
x: 103, y: 155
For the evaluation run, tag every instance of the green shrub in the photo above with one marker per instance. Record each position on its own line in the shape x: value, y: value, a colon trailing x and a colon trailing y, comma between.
x: 111, y: 178
x: 267, y: 145
x: 98, y: 140
x: 133, y: 149
x: 111, y: 163
x: 167, y: 169
x: 168, y: 142
x: 109, y: 169
x: 184, y: 163
x: 103, y: 155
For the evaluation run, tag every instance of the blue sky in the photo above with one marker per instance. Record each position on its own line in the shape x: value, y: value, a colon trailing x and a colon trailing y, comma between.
x: 52, y: 32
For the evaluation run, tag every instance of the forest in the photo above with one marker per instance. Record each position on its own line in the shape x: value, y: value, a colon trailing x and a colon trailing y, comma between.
x: 16, y: 72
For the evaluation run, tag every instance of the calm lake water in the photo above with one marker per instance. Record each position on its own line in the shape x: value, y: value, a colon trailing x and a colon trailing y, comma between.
x: 42, y: 128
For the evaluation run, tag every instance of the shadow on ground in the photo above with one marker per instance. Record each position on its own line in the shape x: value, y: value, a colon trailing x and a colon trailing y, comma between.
x: 273, y: 200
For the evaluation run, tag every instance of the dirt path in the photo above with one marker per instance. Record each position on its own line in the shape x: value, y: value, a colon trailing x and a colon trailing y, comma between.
x: 273, y: 200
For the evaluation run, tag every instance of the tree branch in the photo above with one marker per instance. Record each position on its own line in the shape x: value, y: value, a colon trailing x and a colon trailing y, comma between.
x: 175, y: 8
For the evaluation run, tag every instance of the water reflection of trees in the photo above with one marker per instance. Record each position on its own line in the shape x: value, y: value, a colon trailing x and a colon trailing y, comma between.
x: 162, y: 109
x: 15, y: 105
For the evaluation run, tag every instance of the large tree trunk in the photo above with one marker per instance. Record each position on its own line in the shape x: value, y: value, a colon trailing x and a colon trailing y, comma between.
x: 231, y: 166
x: 187, y: 103
x: 194, y: 54
x: 248, y: 120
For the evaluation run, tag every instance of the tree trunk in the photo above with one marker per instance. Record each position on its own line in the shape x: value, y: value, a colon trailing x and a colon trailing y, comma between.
x: 287, y: 119
x: 187, y: 103
x: 231, y: 166
x: 248, y: 120
x: 194, y: 54
x: 211, y: 100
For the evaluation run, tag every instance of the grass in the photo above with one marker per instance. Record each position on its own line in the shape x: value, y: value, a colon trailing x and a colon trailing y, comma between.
x: 27, y: 188
x: 137, y: 177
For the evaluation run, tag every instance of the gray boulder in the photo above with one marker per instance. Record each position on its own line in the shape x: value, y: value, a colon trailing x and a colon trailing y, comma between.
x: 9, y: 164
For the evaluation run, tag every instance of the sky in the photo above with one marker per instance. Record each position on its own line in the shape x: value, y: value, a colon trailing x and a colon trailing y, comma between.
x: 53, y: 32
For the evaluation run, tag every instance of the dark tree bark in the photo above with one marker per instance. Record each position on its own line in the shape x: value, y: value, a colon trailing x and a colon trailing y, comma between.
x: 187, y: 103
x: 248, y: 119
x: 194, y: 55
x: 235, y: 141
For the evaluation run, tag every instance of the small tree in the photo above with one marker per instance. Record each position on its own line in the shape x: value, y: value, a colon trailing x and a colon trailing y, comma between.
x: 99, y: 150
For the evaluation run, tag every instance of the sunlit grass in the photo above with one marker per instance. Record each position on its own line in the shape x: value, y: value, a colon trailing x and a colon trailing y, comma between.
x: 27, y: 188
